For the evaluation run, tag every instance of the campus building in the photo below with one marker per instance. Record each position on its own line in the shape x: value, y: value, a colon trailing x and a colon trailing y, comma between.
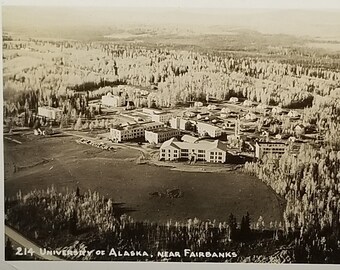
x: 162, y: 117
x: 199, y: 150
x: 274, y: 148
x: 134, y: 131
x: 113, y: 100
x: 208, y: 129
x: 49, y: 112
x: 180, y: 123
x: 161, y: 134
x: 158, y: 115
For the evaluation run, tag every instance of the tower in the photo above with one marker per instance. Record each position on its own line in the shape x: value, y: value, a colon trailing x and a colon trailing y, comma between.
x: 237, y: 128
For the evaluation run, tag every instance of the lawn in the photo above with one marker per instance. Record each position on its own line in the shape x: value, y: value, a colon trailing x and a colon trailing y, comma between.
x: 42, y: 161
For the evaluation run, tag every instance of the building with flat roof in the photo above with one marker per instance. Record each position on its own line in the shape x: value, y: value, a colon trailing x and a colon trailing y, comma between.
x: 161, y: 134
x: 274, y: 148
x: 113, y: 100
x: 134, y: 131
x: 49, y: 112
x: 180, y: 123
x: 151, y: 111
x: 208, y: 129
x: 200, y: 150
x: 162, y: 117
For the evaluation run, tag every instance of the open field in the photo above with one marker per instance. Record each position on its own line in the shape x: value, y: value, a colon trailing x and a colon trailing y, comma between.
x: 42, y: 161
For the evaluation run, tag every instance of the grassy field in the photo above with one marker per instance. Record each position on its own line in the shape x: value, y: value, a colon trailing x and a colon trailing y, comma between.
x: 42, y: 161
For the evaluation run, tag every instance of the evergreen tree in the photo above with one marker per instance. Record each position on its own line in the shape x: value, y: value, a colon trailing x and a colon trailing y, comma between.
x: 245, y: 231
x: 233, y: 227
x: 73, y: 223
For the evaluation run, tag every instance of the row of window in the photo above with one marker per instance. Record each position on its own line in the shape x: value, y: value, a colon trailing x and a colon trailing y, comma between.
x: 274, y: 150
x: 214, y: 157
x: 168, y: 135
x: 200, y: 157
x: 216, y: 153
x: 186, y: 151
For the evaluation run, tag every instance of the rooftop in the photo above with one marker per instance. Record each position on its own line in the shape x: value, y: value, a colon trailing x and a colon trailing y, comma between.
x: 207, y: 125
x: 198, y: 145
x: 161, y: 112
x: 162, y: 130
x: 263, y: 143
x: 190, y: 139
x: 136, y: 125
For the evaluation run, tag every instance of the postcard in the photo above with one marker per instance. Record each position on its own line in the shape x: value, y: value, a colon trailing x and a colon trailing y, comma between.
x: 170, y: 134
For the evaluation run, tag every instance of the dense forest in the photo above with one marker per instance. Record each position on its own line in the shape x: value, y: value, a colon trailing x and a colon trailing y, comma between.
x: 177, y: 76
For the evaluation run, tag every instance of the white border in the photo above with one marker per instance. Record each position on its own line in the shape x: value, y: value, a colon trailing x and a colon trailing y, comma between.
x: 242, y: 4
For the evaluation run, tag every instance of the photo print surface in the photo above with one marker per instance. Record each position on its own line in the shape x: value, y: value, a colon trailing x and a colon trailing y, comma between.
x: 171, y: 134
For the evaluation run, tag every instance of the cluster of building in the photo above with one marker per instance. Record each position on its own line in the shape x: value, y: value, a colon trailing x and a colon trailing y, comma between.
x: 202, y: 128
x: 155, y: 131
x: 166, y: 129
x: 132, y: 131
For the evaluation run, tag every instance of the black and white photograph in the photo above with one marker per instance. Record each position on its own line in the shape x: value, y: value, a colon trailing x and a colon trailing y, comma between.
x: 171, y: 132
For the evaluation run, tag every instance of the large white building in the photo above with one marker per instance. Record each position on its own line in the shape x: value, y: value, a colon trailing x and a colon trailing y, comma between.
x: 49, y: 112
x: 179, y: 123
x: 128, y: 132
x: 113, y: 100
x: 200, y: 150
x: 158, y: 115
x: 161, y: 134
x: 274, y: 148
x: 162, y: 117
x: 205, y: 128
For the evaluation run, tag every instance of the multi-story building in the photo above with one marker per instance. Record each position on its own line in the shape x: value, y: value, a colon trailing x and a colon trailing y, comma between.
x: 49, y: 112
x: 205, y: 128
x: 128, y: 132
x: 274, y: 148
x: 180, y: 123
x: 161, y: 134
x: 113, y: 100
x: 200, y: 150
x: 162, y: 117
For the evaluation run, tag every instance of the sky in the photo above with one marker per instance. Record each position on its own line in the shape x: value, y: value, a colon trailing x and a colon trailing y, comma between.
x: 315, y: 18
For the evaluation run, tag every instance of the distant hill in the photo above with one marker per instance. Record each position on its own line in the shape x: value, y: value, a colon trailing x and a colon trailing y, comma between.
x: 104, y: 21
